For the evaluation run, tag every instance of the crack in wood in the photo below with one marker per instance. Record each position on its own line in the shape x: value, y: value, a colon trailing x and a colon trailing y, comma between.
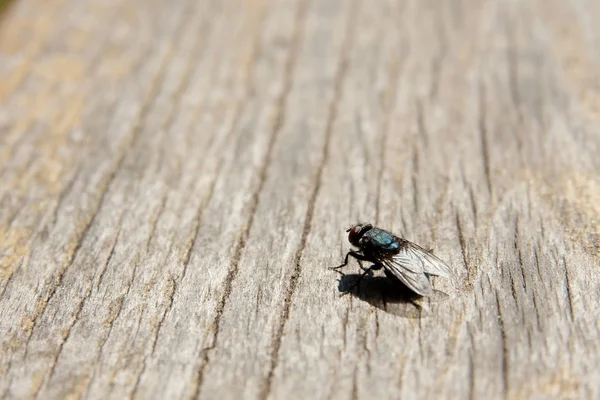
x: 568, y: 289
x: 308, y: 220
x: 64, y: 340
x: 483, y: 137
x: 109, y: 258
x: 130, y: 142
x: 505, y: 355
x: 243, y: 237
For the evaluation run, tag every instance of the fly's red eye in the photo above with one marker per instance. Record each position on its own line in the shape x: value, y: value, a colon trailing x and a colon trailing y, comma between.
x: 351, y: 232
x: 353, y: 235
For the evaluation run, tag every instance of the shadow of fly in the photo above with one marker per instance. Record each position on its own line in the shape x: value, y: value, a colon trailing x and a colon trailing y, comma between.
x: 401, y: 259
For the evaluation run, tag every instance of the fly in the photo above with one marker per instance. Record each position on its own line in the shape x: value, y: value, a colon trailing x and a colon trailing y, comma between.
x: 408, y: 262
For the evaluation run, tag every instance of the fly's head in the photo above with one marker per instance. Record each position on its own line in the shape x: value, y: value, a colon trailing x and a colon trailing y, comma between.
x: 357, y: 232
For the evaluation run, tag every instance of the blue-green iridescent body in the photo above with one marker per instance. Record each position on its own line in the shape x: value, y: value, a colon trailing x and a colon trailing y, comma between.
x: 382, y: 239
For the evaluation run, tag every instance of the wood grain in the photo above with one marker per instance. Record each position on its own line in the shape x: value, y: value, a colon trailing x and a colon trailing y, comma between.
x: 177, y: 177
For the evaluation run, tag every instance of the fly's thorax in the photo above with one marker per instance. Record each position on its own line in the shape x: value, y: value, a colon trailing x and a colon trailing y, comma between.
x: 380, y: 239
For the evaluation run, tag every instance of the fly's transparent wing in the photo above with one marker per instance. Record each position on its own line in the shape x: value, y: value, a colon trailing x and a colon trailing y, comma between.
x: 431, y: 264
x: 410, y: 265
x: 414, y: 280
x: 417, y: 259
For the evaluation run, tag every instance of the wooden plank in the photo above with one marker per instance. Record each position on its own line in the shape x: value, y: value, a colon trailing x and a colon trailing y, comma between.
x: 177, y: 177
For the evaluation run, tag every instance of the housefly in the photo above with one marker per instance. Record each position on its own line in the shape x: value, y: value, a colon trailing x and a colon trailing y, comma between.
x: 402, y: 259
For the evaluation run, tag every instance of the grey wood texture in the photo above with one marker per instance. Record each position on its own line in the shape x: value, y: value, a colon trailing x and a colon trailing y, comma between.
x: 176, y: 178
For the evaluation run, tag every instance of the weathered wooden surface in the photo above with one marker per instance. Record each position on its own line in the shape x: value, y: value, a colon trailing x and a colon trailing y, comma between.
x: 176, y: 177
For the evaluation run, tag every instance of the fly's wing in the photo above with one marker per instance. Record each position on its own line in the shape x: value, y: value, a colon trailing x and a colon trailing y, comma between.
x: 410, y: 265
x: 429, y: 263
x: 414, y: 280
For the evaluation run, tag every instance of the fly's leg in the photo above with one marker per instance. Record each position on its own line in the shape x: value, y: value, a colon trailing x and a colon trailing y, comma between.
x: 360, y: 265
x: 373, y: 267
x: 358, y: 256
